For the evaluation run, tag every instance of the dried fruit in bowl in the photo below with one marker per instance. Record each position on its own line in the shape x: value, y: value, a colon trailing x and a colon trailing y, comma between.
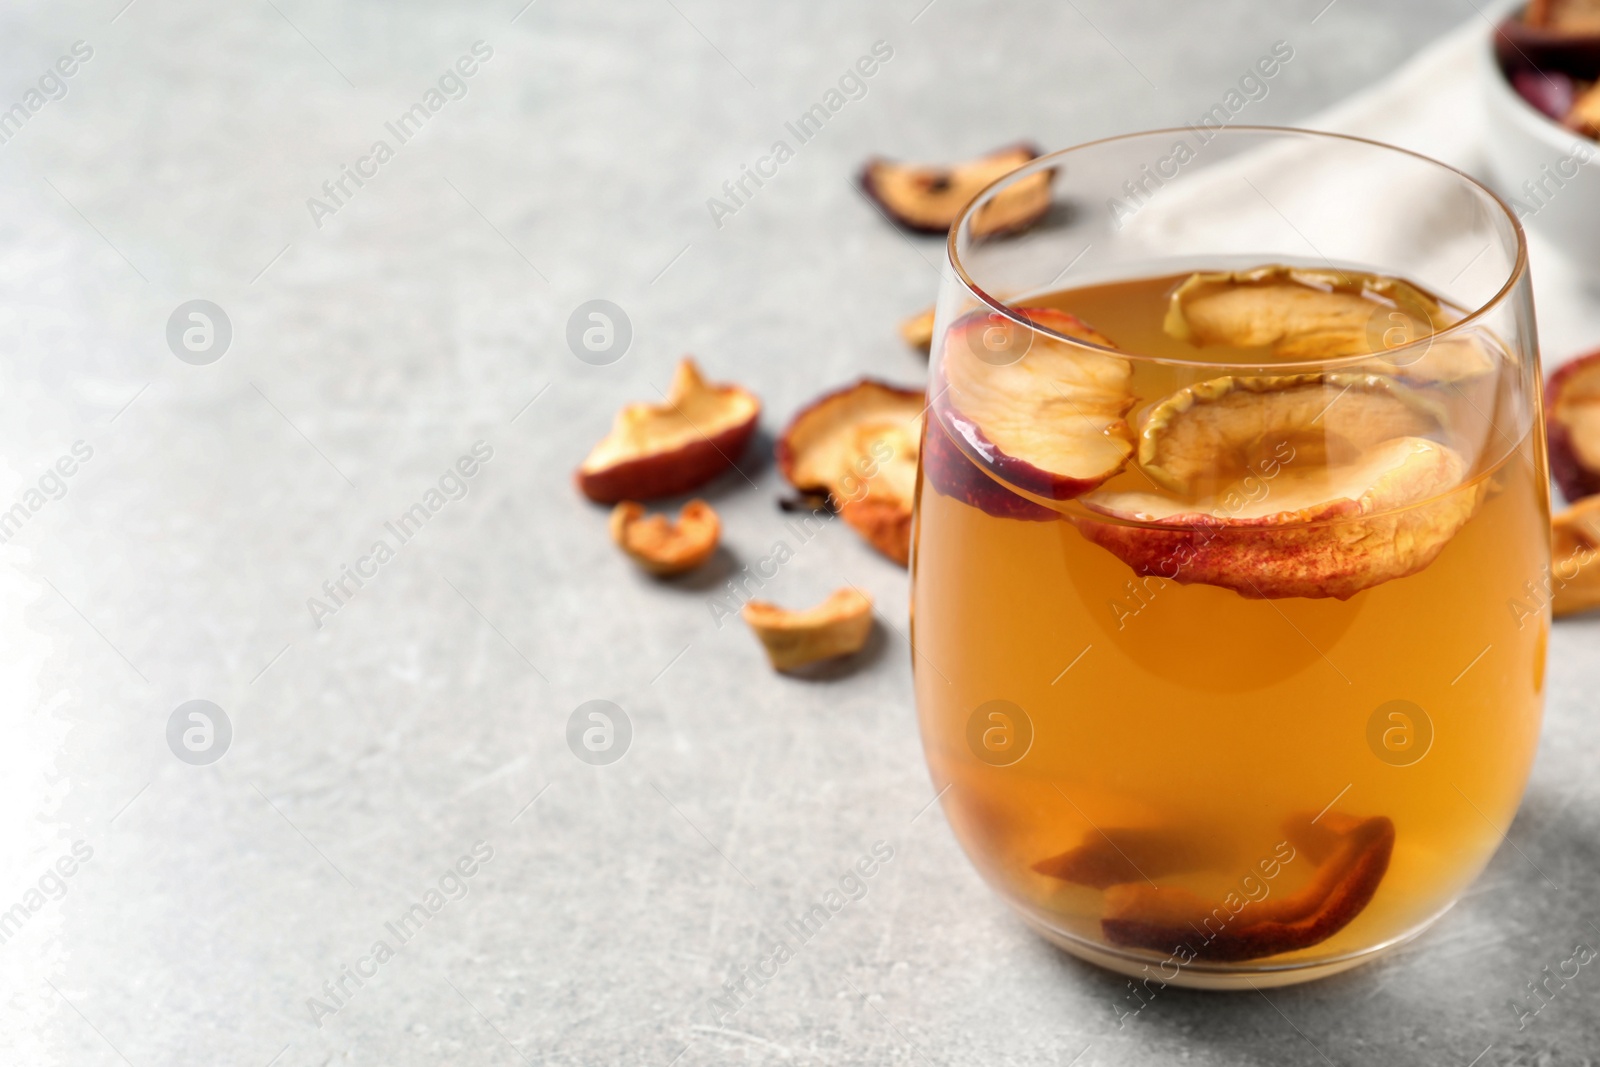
x: 859, y: 444
x: 663, y: 547
x: 657, y: 450
x: 928, y: 199
x: 839, y: 626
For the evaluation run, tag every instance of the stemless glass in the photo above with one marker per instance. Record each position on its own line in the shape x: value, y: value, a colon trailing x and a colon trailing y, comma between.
x: 1229, y: 657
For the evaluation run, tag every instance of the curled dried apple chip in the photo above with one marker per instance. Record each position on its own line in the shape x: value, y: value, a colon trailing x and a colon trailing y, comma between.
x: 1574, y: 550
x: 918, y: 330
x: 1219, y: 428
x: 1307, y: 314
x: 1273, y: 495
x: 1038, y: 411
x: 1351, y: 854
x: 1572, y: 414
x: 657, y: 450
x: 859, y: 444
x: 837, y: 627
x: 928, y: 199
x: 663, y: 547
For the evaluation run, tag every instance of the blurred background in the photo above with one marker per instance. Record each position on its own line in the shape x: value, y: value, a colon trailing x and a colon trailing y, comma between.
x: 366, y: 336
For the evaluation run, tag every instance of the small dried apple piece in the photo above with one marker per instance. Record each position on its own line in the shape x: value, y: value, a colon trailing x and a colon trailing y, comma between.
x: 1564, y: 16
x: 663, y: 547
x: 918, y: 330
x: 657, y: 450
x: 1356, y: 859
x: 1574, y: 549
x: 1572, y: 414
x: 929, y: 199
x: 1041, y: 413
x: 860, y: 445
x: 837, y: 627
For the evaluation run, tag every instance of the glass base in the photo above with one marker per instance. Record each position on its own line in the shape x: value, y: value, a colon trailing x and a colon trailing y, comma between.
x: 1221, y: 976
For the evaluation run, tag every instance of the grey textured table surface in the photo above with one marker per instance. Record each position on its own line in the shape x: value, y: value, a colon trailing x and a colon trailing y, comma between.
x: 428, y: 312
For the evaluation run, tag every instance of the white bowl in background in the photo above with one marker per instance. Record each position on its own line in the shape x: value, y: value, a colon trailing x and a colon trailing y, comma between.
x: 1549, y: 175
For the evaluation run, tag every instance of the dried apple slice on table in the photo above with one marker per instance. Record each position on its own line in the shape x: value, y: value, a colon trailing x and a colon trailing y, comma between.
x: 928, y: 199
x: 657, y: 450
x: 1038, y: 412
x: 839, y: 626
x: 663, y: 547
x: 1572, y: 413
x: 1315, y: 485
x: 917, y: 331
x: 859, y: 444
x: 1575, y: 558
x: 1306, y: 314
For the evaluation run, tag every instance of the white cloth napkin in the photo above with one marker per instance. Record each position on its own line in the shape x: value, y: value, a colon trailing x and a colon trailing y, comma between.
x: 1435, y: 105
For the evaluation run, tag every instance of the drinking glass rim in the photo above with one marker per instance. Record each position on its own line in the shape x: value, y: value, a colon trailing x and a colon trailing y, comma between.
x: 1518, y: 270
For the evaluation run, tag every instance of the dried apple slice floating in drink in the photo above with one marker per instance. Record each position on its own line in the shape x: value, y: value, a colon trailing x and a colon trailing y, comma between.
x: 859, y: 444
x: 928, y: 199
x: 1351, y: 854
x: 1305, y: 314
x: 656, y: 450
x: 1039, y: 412
x: 1317, y: 485
x: 1572, y: 410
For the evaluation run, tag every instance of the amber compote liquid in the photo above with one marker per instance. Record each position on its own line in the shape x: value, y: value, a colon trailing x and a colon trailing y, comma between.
x: 1175, y: 767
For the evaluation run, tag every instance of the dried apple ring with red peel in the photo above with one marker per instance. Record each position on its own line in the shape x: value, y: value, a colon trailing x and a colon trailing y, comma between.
x: 929, y: 199
x: 1334, y: 534
x: 1290, y: 486
x: 860, y: 445
x: 657, y: 450
x: 1352, y: 856
x: 950, y: 472
x: 1308, y: 314
x: 1039, y: 412
x: 1572, y: 411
